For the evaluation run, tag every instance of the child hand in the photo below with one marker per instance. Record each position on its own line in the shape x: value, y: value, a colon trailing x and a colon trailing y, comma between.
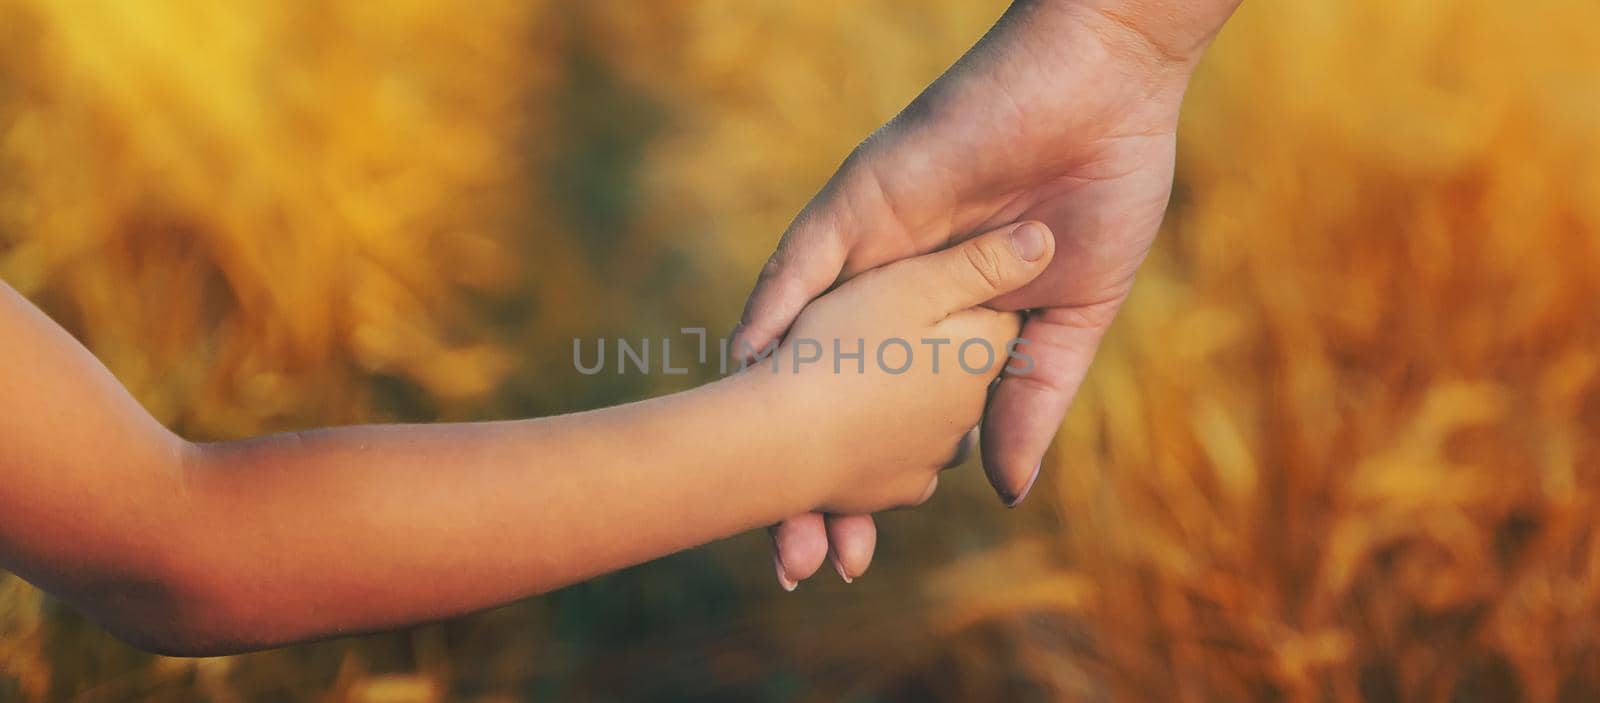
x: 885, y: 375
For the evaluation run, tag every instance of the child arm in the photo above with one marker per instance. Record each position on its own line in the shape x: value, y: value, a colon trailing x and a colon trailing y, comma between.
x: 206, y: 548
x: 201, y: 549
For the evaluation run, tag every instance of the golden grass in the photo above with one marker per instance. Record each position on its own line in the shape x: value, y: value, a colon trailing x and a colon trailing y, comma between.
x: 233, y: 204
x: 1339, y: 447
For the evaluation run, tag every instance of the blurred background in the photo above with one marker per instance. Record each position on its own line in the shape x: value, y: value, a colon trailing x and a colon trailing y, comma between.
x: 1341, y: 444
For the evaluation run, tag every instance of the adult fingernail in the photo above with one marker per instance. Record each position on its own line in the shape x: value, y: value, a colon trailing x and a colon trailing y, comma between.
x: 1014, y: 502
x: 1027, y: 240
x: 839, y: 567
x: 787, y: 583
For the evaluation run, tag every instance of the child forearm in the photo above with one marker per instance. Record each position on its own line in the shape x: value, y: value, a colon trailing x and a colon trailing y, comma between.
x: 203, y: 549
x: 362, y: 528
x: 215, y: 548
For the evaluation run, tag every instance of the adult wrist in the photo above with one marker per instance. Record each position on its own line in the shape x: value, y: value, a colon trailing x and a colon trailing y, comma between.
x: 1164, y: 37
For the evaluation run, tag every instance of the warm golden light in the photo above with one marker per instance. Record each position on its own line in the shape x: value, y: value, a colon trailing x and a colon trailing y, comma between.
x: 1340, y: 445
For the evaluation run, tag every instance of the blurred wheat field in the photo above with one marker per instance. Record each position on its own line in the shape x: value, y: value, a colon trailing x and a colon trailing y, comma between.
x: 1340, y: 445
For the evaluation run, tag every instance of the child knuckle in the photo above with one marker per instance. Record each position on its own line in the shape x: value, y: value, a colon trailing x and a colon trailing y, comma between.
x: 986, y: 263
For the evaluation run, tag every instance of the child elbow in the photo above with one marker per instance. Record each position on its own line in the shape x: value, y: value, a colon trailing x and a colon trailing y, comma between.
x: 172, y: 639
x: 177, y: 618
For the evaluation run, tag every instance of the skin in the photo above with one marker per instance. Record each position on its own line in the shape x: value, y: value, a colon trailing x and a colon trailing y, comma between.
x: 207, y: 549
x: 1066, y: 113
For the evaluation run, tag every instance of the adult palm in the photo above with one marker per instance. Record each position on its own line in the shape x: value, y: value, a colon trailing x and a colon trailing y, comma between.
x: 1065, y: 113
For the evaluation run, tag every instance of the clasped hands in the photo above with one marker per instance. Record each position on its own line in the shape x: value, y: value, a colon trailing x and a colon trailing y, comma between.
x: 1061, y: 122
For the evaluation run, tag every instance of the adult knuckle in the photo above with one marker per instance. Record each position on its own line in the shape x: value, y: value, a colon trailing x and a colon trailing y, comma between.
x: 774, y: 265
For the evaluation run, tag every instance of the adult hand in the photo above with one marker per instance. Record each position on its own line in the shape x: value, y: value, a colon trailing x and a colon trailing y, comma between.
x: 1065, y: 112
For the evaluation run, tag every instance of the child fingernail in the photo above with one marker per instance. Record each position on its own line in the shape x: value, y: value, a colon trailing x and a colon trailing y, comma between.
x: 1028, y: 240
x: 839, y: 567
x: 1026, y: 488
x: 787, y: 583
